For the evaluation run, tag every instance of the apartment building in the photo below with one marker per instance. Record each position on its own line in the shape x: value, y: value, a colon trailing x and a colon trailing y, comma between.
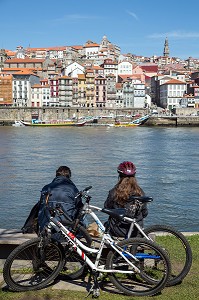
x: 90, y: 88
x: 171, y: 92
x: 21, y: 87
x: 81, y: 90
x: 100, y: 98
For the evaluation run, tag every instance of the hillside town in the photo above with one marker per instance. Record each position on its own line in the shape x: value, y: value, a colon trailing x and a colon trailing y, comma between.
x: 96, y: 75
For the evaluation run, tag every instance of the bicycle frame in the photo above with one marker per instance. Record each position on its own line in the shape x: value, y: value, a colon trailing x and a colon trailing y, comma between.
x: 77, y: 246
x: 88, y: 210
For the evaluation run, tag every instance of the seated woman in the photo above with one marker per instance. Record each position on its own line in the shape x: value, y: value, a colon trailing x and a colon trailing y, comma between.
x: 119, y: 197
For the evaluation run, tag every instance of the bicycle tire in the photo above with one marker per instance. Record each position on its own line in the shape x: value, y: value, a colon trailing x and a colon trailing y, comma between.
x: 146, y: 252
x: 177, y: 247
x: 24, y: 271
x: 75, y: 266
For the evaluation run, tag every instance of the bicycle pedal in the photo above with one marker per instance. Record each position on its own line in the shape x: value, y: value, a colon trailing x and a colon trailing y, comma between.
x: 96, y: 293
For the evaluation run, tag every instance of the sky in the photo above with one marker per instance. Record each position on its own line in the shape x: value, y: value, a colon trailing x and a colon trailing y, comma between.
x: 137, y: 27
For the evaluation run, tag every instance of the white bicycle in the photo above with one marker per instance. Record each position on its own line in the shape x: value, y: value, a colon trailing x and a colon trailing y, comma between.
x: 135, y: 266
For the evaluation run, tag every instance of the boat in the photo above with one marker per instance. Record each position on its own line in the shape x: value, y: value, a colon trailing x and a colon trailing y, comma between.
x: 18, y: 124
x: 39, y: 123
x: 136, y: 122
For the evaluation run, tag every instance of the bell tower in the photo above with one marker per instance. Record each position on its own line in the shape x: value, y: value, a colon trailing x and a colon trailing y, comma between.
x: 166, y: 48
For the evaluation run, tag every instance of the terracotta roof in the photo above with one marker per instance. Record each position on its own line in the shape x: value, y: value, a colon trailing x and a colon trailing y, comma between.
x: 10, y: 52
x: 65, y: 77
x: 39, y: 86
x: 36, y: 86
x: 91, y: 45
x: 77, y: 47
x: 47, y: 48
x: 118, y: 85
x: 174, y: 81
x: 149, y: 68
x: 24, y: 60
x: 25, y: 72
x: 97, y: 68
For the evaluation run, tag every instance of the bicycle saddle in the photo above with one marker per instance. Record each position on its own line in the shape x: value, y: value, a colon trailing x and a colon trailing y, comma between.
x: 116, y: 213
x: 142, y: 199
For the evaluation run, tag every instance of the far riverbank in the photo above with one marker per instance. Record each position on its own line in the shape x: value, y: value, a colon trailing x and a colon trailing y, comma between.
x: 8, y: 115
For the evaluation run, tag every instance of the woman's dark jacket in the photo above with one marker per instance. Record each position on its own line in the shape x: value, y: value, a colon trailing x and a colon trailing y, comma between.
x: 62, y: 191
x: 121, y: 228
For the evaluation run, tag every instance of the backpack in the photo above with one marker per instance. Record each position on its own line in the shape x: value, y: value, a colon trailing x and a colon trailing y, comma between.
x: 121, y: 228
x: 31, y: 223
x: 133, y: 208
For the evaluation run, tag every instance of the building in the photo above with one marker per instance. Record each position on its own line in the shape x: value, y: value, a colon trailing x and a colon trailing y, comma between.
x: 6, y: 90
x: 62, y: 90
x: 21, y: 86
x: 100, y: 91
x: 90, y: 88
x: 81, y: 90
x: 171, y: 92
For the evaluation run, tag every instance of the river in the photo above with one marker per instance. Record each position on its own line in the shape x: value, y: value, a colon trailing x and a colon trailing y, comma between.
x: 167, y: 161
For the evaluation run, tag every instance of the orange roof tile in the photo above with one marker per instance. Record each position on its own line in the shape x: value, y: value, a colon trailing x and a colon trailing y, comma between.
x: 24, y: 60
x: 174, y: 81
x: 91, y: 45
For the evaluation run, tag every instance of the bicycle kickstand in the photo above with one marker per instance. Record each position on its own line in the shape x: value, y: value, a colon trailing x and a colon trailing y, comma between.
x: 94, y: 290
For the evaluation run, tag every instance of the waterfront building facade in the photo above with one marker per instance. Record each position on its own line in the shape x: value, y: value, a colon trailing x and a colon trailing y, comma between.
x: 21, y: 87
x: 6, y: 89
x: 171, y: 92
x: 100, y: 92
x: 97, y: 75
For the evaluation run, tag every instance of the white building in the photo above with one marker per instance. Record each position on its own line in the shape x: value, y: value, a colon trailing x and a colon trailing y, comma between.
x: 125, y: 68
x: 134, y: 94
x: 73, y: 70
x: 21, y: 86
x: 171, y: 92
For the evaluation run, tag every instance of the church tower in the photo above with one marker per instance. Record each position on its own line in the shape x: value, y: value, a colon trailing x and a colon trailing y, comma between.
x: 166, y: 48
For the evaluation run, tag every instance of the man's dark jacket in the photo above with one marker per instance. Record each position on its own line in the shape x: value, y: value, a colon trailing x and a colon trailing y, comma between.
x: 62, y: 191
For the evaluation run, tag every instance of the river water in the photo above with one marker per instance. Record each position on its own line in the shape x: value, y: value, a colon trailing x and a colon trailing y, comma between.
x: 167, y: 161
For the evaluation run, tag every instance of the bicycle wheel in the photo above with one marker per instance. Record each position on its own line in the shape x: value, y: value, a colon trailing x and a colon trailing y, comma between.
x: 75, y: 266
x: 177, y: 248
x: 25, y: 270
x: 152, y: 262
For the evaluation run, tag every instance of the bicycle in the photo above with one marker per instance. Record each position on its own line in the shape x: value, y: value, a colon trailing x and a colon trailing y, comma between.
x: 130, y: 264
x: 170, y: 239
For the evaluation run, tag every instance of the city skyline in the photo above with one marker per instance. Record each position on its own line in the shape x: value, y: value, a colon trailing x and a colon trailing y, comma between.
x: 137, y: 28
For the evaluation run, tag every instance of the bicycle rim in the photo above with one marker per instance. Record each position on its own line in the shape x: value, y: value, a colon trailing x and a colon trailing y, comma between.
x: 152, y: 262
x: 24, y: 270
x: 177, y: 248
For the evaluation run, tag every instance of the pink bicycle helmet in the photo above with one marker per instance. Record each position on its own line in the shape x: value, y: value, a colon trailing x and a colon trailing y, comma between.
x: 126, y: 168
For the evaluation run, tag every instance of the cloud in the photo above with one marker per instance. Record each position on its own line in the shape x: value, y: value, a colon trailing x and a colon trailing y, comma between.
x: 75, y: 17
x: 175, y: 34
x: 133, y: 15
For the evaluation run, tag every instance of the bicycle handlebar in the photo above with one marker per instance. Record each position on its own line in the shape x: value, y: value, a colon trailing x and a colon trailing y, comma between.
x: 83, y: 193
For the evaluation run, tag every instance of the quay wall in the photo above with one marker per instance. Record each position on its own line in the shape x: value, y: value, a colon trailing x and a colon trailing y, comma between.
x: 9, y: 114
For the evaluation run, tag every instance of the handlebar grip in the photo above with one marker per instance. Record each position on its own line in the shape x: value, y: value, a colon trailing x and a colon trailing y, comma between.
x: 88, y: 188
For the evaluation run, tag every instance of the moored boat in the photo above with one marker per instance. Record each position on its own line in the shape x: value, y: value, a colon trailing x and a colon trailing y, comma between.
x: 136, y: 122
x: 18, y: 124
x: 53, y: 123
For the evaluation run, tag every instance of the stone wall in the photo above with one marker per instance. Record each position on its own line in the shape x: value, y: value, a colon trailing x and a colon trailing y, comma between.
x: 10, y: 114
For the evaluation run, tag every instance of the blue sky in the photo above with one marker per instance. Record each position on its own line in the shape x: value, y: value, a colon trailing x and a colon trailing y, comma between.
x: 137, y: 27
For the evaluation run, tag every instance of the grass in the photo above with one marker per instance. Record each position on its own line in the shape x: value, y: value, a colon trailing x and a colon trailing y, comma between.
x: 188, y: 289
